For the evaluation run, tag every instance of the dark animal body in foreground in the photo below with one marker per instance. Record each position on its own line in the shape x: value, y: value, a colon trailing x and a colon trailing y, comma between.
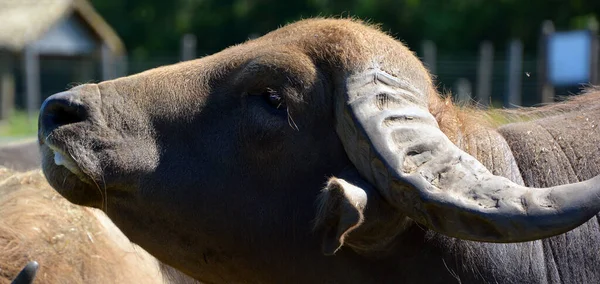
x: 27, y: 274
x: 322, y: 153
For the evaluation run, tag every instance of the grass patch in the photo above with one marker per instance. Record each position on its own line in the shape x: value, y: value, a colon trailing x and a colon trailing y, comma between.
x: 19, y: 125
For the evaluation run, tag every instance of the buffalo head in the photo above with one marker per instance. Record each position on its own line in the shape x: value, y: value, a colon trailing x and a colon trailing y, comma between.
x: 214, y: 165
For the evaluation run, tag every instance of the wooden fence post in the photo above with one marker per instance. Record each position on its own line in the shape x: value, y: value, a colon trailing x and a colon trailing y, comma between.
x: 515, y: 70
x: 546, y: 89
x: 32, y: 79
x: 7, y: 85
x: 109, y: 68
x: 595, y: 53
x: 122, y: 65
x: 188, y: 47
x: 430, y: 55
x: 463, y: 91
x: 484, y: 73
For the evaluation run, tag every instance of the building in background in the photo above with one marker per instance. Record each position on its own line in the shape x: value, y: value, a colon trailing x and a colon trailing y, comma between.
x: 46, y: 45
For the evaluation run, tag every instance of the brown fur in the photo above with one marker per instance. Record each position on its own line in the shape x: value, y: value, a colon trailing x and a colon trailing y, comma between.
x: 453, y: 118
x: 70, y: 242
x: 464, y: 124
x: 587, y: 100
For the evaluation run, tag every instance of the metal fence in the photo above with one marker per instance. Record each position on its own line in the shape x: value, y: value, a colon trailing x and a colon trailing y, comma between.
x: 60, y: 74
x: 464, y: 75
x: 454, y: 70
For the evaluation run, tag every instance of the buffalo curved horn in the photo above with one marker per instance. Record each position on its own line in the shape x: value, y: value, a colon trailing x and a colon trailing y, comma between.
x: 396, y: 144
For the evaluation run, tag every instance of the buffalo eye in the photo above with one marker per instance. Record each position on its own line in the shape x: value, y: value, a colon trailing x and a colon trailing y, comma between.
x: 274, y: 99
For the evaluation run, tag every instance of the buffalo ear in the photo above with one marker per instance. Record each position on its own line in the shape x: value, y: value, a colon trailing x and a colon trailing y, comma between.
x: 352, y: 213
x: 341, y: 211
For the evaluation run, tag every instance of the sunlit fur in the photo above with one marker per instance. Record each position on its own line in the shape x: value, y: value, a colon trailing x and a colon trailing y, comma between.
x: 72, y: 244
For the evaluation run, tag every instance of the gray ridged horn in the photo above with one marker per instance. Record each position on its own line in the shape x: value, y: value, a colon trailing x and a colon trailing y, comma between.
x: 396, y: 144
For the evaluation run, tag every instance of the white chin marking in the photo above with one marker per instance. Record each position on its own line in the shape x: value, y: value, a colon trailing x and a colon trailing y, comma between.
x: 59, y: 159
x: 66, y: 162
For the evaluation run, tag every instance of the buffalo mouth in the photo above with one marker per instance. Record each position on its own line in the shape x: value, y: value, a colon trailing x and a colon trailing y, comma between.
x: 68, y: 177
x: 62, y: 124
x: 61, y: 158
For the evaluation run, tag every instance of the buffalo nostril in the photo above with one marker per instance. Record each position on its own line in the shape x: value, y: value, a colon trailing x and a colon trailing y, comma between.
x: 59, y: 110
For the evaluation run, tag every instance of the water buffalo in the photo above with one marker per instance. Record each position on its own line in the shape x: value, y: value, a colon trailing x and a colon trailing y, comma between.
x: 322, y: 153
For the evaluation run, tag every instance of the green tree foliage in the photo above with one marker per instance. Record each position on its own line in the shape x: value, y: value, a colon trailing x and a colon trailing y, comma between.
x: 154, y: 27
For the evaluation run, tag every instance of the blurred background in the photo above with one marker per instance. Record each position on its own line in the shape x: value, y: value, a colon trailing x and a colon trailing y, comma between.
x: 499, y: 53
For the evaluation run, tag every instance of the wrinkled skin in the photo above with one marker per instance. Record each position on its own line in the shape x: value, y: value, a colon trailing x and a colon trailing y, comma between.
x: 200, y: 165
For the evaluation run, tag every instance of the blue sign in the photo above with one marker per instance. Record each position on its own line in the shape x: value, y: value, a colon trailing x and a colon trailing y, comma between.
x: 569, y: 57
